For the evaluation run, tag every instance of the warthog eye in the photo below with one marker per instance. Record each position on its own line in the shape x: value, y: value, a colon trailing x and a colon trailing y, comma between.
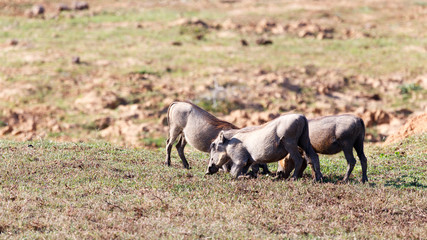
x: 212, y: 145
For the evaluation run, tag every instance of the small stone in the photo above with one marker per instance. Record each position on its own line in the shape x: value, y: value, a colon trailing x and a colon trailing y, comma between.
x: 37, y: 10
x: 76, y: 60
x: 80, y: 6
x: 263, y: 41
x: 200, y: 36
x: 177, y: 43
x: 103, y: 123
x: 13, y: 42
x: 244, y: 42
x: 63, y: 7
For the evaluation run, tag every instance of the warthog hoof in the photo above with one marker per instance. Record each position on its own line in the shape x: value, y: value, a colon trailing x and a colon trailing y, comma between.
x: 365, y: 179
x: 251, y: 174
x: 265, y: 172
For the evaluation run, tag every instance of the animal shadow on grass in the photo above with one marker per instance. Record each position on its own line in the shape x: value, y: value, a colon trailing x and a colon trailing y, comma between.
x: 336, y: 179
x: 405, y: 181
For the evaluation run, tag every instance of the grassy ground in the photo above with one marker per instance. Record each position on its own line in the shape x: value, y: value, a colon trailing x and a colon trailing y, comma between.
x: 97, y: 190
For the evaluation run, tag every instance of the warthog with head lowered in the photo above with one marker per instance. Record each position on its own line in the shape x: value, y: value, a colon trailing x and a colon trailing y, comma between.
x: 331, y: 135
x: 189, y: 123
x: 268, y: 143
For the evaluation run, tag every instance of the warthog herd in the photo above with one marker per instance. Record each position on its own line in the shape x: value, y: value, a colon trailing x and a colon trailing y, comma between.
x: 290, y: 140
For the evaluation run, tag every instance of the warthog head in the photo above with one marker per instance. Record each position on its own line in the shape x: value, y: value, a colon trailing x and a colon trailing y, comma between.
x: 218, y: 156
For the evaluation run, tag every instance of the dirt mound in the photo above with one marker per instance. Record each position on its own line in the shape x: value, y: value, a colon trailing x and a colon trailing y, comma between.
x: 304, y: 28
x: 414, y: 125
x: 27, y: 124
x: 96, y: 101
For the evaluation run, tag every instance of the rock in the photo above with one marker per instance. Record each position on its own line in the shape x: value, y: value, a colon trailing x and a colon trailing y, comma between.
x: 134, y: 111
x: 199, y: 36
x: 6, y: 130
x: 244, y: 42
x: 131, y: 133
x: 63, y: 7
x: 80, y: 6
x: 187, y: 22
x: 75, y: 60
x: 228, y: 25
x: 389, y: 128
x: 414, y: 125
x: 96, y: 101
x: 199, y: 22
x: 13, y: 91
x: 278, y: 29
x: 176, y: 43
x: 179, y: 22
x: 103, y: 123
x: 13, y: 42
x: 263, y: 41
x: 238, y: 117
x: 264, y: 26
x: 377, y: 117
x: 29, y: 125
x: 37, y: 10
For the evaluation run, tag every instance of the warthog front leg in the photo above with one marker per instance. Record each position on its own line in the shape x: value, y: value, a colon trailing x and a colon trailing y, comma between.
x: 240, y: 167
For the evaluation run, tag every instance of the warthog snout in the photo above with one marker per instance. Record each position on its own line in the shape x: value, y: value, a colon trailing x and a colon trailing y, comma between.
x: 212, y: 169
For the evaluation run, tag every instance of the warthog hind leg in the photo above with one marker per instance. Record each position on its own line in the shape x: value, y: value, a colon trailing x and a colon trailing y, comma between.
x: 180, y: 148
x: 363, y: 161
x: 296, y: 156
x: 173, y: 135
x: 351, y: 161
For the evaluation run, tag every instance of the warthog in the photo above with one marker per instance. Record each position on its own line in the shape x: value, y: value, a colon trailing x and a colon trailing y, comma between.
x: 268, y: 143
x: 189, y: 123
x: 331, y: 135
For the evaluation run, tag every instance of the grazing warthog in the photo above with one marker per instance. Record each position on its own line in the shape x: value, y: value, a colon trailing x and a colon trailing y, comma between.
x: 189, y: 123
x: 268, y: 143
x: 331, y: 135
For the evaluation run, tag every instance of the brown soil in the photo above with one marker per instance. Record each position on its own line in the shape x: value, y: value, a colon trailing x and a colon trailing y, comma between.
x: 414, y: 125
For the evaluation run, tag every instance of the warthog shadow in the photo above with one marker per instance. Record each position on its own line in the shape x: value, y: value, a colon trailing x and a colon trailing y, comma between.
x: 400, y: 182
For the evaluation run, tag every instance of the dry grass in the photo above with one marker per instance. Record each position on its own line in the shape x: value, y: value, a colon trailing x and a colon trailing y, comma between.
x: 126, y: 51
x: 58, y: 190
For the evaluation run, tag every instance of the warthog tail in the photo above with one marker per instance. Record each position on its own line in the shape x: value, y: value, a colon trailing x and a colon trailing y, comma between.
x: 167, y: 116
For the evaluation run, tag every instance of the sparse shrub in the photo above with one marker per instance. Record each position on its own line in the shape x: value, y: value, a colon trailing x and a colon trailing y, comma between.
x: 154, y: 142
x: 222, y: 106
x: 409, y: 88
x: 193, y: 30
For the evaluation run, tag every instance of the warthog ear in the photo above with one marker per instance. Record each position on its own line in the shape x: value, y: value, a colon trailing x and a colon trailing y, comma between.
x: 222, y: 139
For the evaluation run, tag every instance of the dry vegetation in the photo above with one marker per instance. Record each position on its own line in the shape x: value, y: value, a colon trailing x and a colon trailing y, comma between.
x: 108, y: 73
x: 54, y: 190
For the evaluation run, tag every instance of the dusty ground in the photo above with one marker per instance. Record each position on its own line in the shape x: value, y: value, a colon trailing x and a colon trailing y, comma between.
x: 110, y: 71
